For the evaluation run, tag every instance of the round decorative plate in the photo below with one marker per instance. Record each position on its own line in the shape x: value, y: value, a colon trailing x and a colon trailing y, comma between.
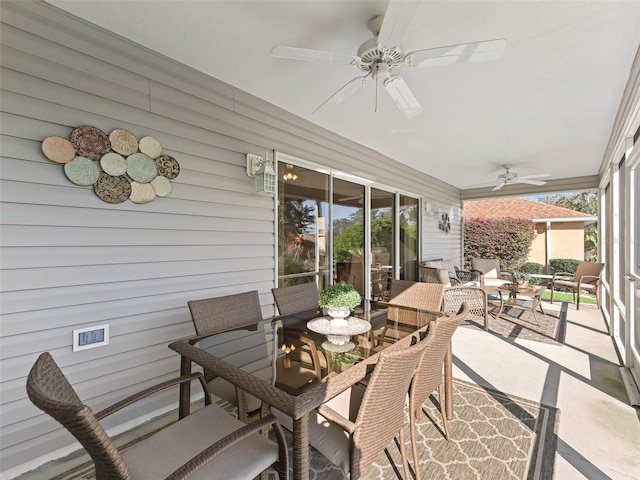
x: 150, y: 146
x: 141, y: 168
x: 142, y: 192
x: 90, y: 142
x: 58, y: 149
x: 162, y: 186
x: 168, y: 166
x: 123, y: 141
x: 113, y: 164
x: 112, y: 189
x: 82, y: 171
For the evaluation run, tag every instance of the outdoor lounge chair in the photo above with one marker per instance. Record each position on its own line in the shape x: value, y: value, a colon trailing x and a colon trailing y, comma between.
x: 428, y: 376
x: 491, y: 275
x: 586, y: 278
x: 208, y: 444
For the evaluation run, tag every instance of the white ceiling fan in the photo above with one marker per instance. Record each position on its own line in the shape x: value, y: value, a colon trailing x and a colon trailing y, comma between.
x: 379, y: 56
x: 509, y: 178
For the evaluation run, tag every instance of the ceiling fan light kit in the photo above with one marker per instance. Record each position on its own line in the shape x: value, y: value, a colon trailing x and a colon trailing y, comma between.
x: 380, y: 55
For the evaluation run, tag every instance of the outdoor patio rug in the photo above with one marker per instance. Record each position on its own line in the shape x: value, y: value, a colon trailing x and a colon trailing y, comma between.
x: 519, y: 323
x: 493, y: 436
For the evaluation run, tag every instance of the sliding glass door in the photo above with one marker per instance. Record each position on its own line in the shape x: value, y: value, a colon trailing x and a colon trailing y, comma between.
x: 333, y: 229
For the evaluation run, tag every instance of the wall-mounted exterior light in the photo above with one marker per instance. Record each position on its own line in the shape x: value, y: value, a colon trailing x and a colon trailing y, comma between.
x: 261, y: 168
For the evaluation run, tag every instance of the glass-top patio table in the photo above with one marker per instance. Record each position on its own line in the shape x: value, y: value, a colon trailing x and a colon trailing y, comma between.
x: 290, y: 385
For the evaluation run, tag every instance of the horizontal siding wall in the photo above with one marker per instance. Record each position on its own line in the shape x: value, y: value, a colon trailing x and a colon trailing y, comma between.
x: 70, y: 260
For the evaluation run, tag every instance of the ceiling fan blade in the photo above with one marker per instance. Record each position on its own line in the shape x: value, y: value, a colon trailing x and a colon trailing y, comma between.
x: 345, y: 91
x: 463, y: 53
x: 529, y: 182
x: 396, y: 21
x: 402, y: 95
x: 498, y: 186
x: 294, y: 53
x: 537, y: 175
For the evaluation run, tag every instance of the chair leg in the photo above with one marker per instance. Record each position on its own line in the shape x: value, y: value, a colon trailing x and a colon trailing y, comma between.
x: 578, y: 301
x: 552, y: 293
x: 403, y: 453
x: 443, y: 412
x: 412, y: 427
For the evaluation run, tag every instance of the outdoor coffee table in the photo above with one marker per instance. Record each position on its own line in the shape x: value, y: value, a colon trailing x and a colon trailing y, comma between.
x: 526, y: 294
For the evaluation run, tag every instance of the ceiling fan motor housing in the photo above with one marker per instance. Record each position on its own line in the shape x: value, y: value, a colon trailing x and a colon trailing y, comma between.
x: 371, y: 52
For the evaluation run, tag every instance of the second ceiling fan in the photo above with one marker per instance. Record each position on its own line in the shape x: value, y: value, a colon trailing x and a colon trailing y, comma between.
x: 509, y: 178
x: 379, y: 56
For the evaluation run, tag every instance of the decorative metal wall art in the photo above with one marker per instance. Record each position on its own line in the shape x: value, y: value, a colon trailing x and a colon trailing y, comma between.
x: 445, y: 223
x: 119, y: 166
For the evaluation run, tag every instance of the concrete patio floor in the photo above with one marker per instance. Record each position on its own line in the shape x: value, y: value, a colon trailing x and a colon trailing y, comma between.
x: 599, y: 432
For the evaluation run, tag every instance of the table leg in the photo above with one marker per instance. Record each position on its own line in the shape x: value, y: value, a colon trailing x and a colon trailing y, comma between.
x: 300, y: 460
x: 448, y: 382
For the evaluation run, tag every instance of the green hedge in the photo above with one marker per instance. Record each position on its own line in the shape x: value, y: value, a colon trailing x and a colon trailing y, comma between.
x: 569, y: 265
x: 532, y: 267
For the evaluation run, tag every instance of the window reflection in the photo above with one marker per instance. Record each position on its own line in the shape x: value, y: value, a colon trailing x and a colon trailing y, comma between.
x: 348, y: 233
x: 382, y: 242
x: 409, y: 238
x: 303, y: 207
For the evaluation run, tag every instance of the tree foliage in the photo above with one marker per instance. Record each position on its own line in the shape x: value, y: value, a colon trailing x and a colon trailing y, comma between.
x: 508, y: 239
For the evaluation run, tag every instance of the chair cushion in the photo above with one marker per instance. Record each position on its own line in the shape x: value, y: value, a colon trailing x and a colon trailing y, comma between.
x: 574, y: 285
x: 162, y: 453
x: 326, y: 436
x: 446, y: 264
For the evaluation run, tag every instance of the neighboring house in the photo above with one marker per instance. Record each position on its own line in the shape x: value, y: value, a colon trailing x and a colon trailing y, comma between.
x: 559, y: 230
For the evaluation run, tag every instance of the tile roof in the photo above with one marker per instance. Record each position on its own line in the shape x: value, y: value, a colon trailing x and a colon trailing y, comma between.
x: 516, y: 207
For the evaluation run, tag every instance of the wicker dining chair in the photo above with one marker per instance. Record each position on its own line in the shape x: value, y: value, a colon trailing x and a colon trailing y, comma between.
x: 293, y: 299
x: 212, y: 316
x: 428, y: 375
x: 353, y: 428
x: 587, y: 278
x: 208, y: 444
x: 474, y: 297
x: 414, y: 295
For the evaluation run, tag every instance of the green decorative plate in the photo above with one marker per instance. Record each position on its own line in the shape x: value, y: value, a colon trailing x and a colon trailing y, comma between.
x: 82, y: 171
x: 141, y: 168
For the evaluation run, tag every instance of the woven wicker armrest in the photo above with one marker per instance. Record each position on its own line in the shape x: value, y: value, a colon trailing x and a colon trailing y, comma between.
x: 195, y: 339
x: 330, y: 414
x: 187, y: 470
x: 557, y: 275
x: 155, y: 389
x: 241, y: 379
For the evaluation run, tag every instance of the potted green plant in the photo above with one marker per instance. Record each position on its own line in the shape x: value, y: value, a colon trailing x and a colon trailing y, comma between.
x: 522, y: 279
x: 339, y: 299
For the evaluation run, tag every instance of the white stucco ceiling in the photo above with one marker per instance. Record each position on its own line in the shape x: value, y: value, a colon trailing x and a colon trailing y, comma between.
x: 547, y: 106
